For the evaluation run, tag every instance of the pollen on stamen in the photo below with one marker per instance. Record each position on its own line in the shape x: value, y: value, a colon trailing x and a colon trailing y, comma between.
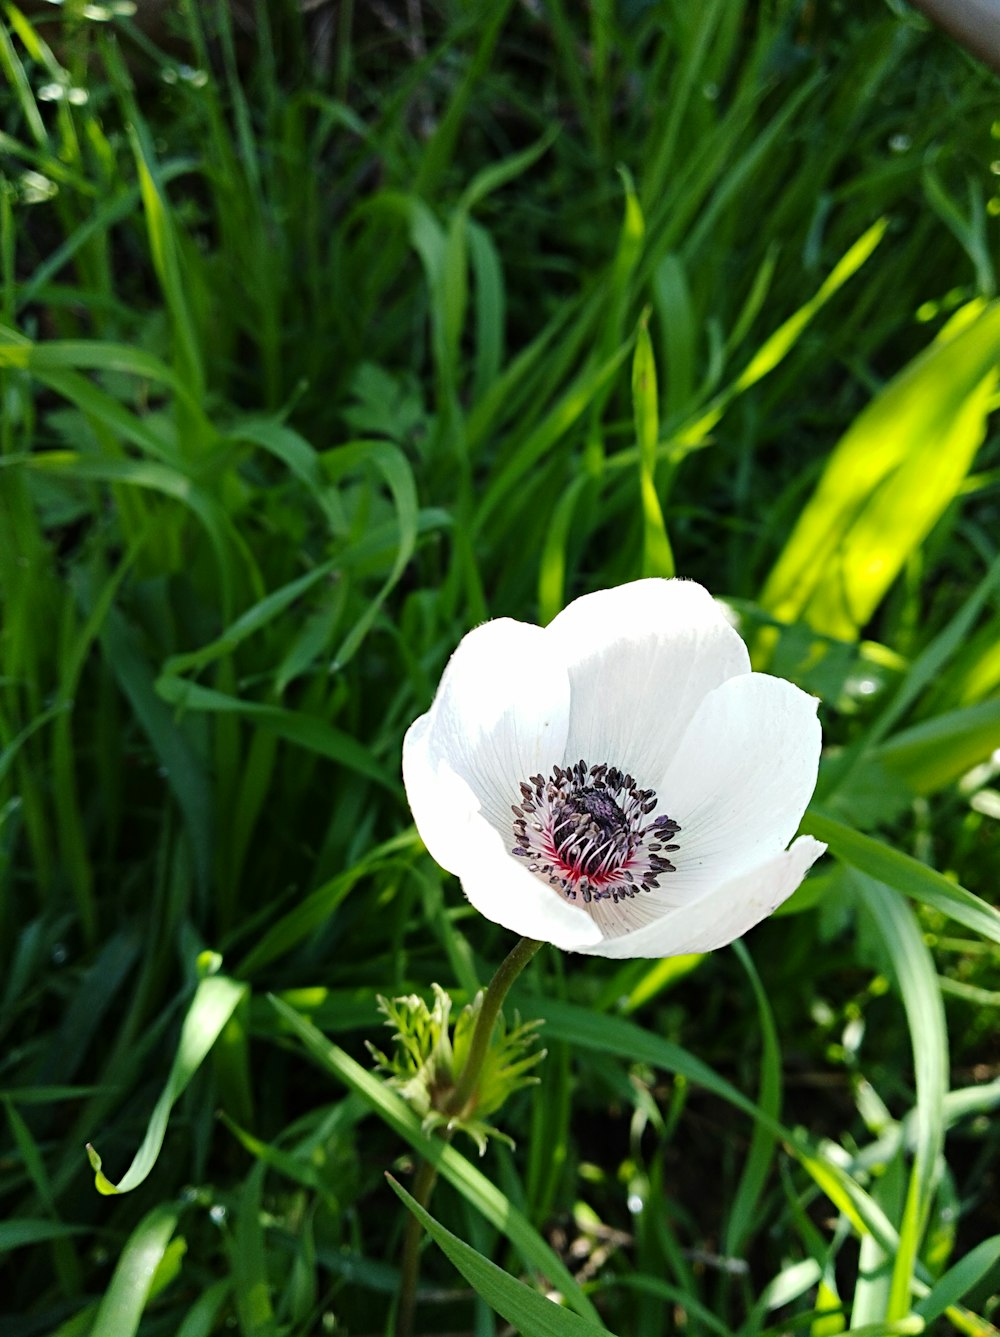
x: 585, y: 832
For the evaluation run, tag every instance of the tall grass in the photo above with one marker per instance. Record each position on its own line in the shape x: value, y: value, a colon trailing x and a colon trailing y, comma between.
x: 324, y: 339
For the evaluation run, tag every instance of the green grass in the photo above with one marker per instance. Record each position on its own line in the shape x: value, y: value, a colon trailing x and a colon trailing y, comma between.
x: 319, y: 345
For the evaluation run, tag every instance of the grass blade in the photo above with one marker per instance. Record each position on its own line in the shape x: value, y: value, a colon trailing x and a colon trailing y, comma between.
x: 121, y: 1310
x: 214, y: 1002
x: 532, y: 1314
x: 904, y: 873
x: 916, y: 977
x: 888, y: 481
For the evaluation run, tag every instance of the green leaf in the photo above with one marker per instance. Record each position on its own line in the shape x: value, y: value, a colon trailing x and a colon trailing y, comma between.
x: 214, y: 1002
x: 530, y: 1313
x: 904, y: 873
x: 774, y: 349
x: 937, y: 752
x: 777, y: 346
x: 890, y: 478
x: 959, y: 1280
x: 121, y: 1310
x: 657, y: 557
x: 251, y: 1285
x: 388, y: 460
x: 304, y: 730
x: 903, y: 942
x: 744, y: 1213
x: 248, y: 623
x: 185, y: 772
x: 15, y: 1234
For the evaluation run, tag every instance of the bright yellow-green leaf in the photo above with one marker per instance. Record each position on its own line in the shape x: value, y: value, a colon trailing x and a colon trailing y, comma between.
x: 898, y: 467
x: 657, y: 557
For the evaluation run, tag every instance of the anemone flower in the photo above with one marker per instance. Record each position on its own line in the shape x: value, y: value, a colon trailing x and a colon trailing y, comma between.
x: 619, y: 782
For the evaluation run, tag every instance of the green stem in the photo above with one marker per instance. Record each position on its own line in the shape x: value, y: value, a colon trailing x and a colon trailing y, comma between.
x: 507, y: 972
x: 423, y: 1186
x: 409, y: 1272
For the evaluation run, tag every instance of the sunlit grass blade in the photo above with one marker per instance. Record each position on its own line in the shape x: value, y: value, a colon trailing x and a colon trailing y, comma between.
x: 889, y: 479
x: 211, y: 1007
x: 164, y: 248
x: 657, y: 557
x: 778, y: 345
x: 929, y: 667
x: 120, y: 1311
x: 17, y: 77
x: 531, y: 1313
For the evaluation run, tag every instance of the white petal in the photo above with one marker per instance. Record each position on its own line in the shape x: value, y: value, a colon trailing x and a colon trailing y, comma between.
x: 640, y: 659
x: 740, y: 781
x: 463, y: 841
x: 441, y: 802
x: 500, y: 714
x: 726, y: 912
x: 501, y: 888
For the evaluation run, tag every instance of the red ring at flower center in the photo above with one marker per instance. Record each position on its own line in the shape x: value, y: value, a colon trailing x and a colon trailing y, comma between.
x: 584, y: 832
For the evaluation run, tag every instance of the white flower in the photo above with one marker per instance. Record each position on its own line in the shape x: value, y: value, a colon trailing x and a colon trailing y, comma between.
x: 618, y: 782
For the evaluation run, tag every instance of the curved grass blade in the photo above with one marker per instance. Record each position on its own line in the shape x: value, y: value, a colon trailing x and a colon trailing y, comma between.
x: 779, y: 344
x: 251, y: 1286
x: 298, y: 456
x: 201, y: 1318
x: 214, y: 1002
x: 530, y: 1313
x: 394, y: 467
x: 315, y: 909
x: 256, y: 617
x: 185, y: 772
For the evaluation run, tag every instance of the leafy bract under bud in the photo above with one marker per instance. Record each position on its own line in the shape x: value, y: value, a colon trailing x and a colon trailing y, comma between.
x: 429, y: 1057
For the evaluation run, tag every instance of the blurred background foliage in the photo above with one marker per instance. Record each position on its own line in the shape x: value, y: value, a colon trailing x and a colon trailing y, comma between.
x: 329, y: 330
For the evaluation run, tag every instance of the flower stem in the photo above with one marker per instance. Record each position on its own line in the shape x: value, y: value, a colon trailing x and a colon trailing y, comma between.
x: 423, y: 1185
x: 507, y: 972
x: 409, y: 1272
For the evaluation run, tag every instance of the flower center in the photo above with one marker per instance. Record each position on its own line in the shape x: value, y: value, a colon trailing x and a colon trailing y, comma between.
x: 584, y: 831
